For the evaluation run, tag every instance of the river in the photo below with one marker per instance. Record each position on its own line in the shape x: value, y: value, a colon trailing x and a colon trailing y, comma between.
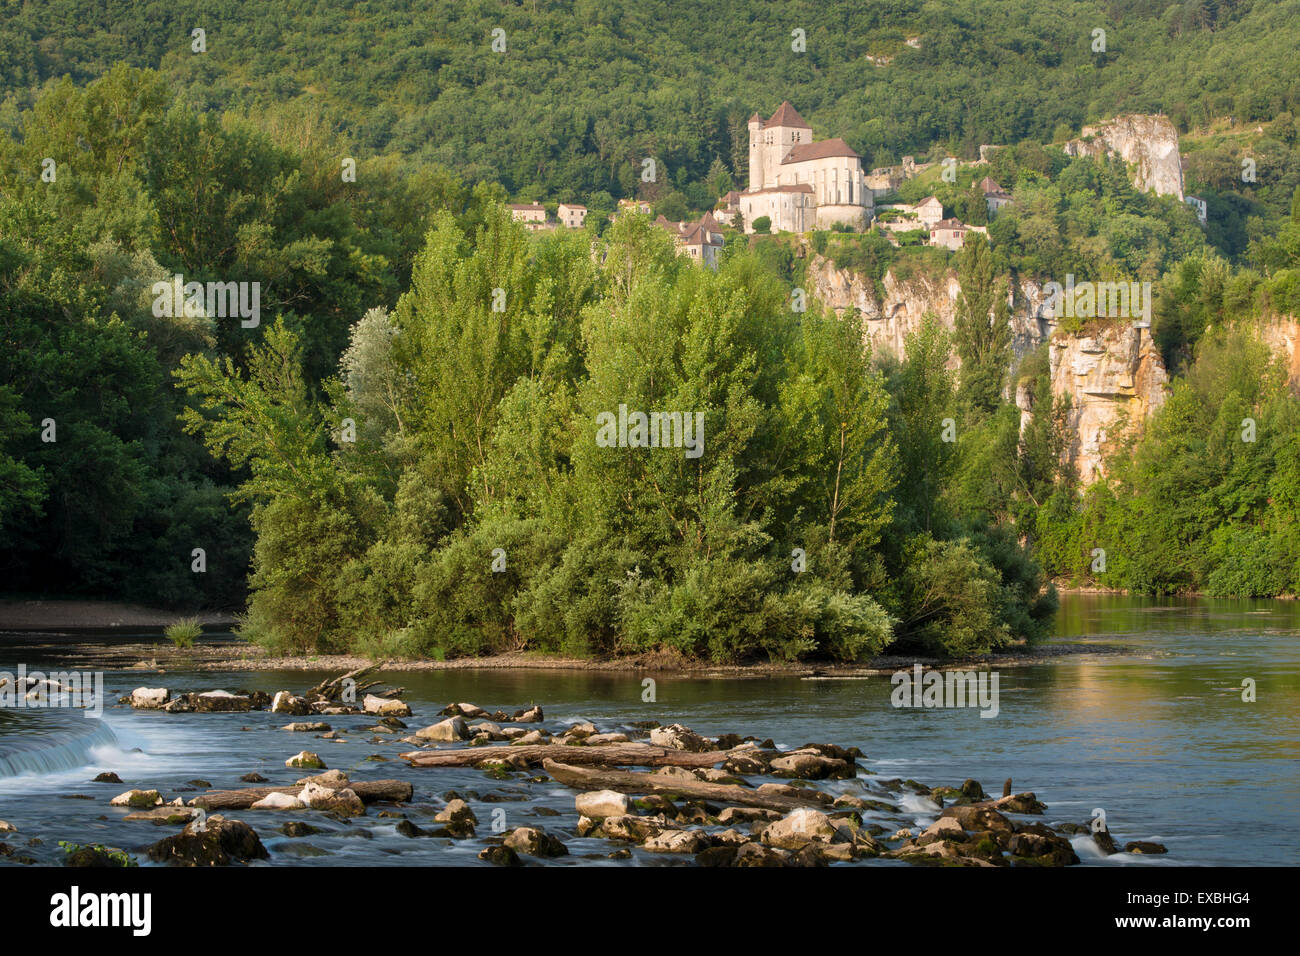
x: 1160, y: 738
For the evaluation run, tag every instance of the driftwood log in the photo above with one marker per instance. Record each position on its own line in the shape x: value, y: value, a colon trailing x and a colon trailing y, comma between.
x: 609, y: 755
x: 370, y: 791
x: 332, y: 688
x: 624, y: 781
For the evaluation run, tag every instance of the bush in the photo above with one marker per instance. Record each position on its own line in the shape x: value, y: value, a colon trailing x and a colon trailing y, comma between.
x: 763, y: 225
x: 951, y: 600
x: 184, y: 632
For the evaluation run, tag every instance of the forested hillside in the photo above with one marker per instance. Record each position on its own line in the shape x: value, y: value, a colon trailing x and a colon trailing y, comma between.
x: 584, y: 90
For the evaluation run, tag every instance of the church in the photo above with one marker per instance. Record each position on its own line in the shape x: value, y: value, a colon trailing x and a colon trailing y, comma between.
x: 798, y: 183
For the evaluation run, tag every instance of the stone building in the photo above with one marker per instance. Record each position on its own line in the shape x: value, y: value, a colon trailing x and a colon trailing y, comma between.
x: 572, y: 215
x: 702, y: 240
x: 798, y: 183
x: 532, y: 215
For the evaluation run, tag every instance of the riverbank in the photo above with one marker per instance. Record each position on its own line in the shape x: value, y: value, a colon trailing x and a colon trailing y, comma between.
x: 71, y: 632
x: 90, y: 616
x: 225, y: 653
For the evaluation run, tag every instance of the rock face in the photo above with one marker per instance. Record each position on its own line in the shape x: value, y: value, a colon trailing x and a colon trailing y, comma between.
x: 1282, y: 336
x: 897, y: 308
x: 1149, y: 144
x: 1115, y: 378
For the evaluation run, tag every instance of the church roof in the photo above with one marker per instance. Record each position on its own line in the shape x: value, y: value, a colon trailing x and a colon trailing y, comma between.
x: 787, y: 115
x: 827, y: 147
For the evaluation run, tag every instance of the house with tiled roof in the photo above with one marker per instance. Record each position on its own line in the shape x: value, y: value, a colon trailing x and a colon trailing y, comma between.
x: 951, y: 233
x: 800, y: 183
x: 532, y: 215
x: 995, y: 197
x: 702, y: 240
x: 571, y: 215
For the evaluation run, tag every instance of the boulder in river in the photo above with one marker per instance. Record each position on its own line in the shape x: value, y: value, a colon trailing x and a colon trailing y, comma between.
x: 800, y: 827
x: 137, y: 799
x: 307, y: 727
x: 332, y: 779
x: 278, y: 801
x: 1142, y: 846
x: 286, y: 703
x: 453, y: 728
x: 220, y: 702
x: 215, y: 841
x: 807, y: 765
x: 307, y: 760
x: 677, y: 841
x: 1037, y: 850
x: 501, y: 856
x: 599, y: 804
x: 385, y: 706
x: 1105, y: 842
x: 979, y: 818
x: 535, y: 842
x: 677, y: 737
x: 149, y: 698
x: 463, y: 710
x: 456, y: 811
x: 108, y: 777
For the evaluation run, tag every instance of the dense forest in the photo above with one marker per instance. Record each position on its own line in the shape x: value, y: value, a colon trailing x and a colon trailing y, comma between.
x: 390, y: 462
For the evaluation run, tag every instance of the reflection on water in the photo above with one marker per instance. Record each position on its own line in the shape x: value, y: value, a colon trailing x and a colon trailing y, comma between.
x: 1160, y: 738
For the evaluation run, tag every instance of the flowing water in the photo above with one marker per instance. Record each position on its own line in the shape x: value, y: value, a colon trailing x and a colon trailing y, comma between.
x: 1160, y: 738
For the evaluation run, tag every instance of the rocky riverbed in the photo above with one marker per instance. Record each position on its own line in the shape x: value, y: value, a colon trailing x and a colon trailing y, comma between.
x: 642, y: 791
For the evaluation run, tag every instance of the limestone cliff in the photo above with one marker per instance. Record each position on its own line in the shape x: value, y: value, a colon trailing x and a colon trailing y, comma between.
x: 1115, y: 378
x: 1282, y: 336
x: 896, y: 309
x: 1112, y: 372
x: 1149, y: 144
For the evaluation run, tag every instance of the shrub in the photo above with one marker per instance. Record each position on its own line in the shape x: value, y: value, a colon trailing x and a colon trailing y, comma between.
x: 184, y: 632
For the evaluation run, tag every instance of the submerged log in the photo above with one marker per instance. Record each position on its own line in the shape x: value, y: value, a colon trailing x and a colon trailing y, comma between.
x: 370, y: 791
x: 630, y: 755
x: 768, y: 797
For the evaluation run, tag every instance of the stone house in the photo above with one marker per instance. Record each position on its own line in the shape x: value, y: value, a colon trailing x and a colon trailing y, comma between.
x: 995, y: 197
x: 951, y: 233
x: 572, y: 215
x: 702, y: 240
x: 532, y: 215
